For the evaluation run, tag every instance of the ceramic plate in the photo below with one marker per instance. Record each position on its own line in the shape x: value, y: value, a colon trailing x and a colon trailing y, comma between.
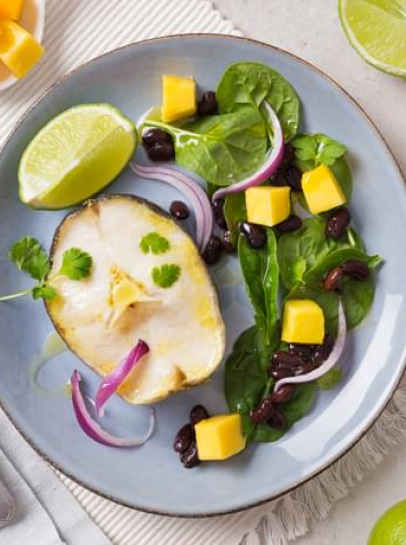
x: 151, y: 478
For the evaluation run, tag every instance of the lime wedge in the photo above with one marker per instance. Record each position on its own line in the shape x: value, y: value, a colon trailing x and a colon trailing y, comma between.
x: 75, y: 155
x: 377, y: 31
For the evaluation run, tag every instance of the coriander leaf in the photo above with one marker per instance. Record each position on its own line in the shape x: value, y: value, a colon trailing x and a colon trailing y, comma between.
x: 44, y: 292
x: 331, y: 379
x: 28, y: 256
x: 154, y: 243
x: 313, y: 150
x: 76, y: 264
x: 165, y: 275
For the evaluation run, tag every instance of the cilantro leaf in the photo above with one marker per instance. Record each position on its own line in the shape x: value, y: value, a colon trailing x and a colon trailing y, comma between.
x: 76, y: 264
x: 28, y: 256
x: 331, y: 379
x: 43, y: 292
x: 165, y: 275
x: 313, y: 150
x: 154, y: 243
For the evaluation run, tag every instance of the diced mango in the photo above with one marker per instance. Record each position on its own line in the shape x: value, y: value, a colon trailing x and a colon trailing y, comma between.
x: 267, y: 205
x: 178, y: 98
x: 11, y: 9
x: 219, y: 437
x: 18, y: 49
x: 322, y: 190
x: 303, y: 322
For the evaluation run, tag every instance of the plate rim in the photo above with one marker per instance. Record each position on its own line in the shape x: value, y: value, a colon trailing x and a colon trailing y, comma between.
x: 402, y: 372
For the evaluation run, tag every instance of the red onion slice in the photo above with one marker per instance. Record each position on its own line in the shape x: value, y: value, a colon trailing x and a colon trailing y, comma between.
x: 330, y: 362
x: 190, y: 189
x: 94, y: 430
x: 112, y: 382
x: 272, y: 162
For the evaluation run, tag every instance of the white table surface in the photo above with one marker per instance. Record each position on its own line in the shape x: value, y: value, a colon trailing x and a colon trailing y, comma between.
x: 311, y: 29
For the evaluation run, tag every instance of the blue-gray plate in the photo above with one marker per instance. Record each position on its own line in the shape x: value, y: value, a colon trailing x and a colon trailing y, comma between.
x: 151, y: 477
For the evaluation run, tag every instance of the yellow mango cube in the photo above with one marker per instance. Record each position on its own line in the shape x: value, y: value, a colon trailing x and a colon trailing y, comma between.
x: 267, y: 205
x: 219, y: 437
x: 178, y: 98
x: 303, y: 322
x: 19, y: 51
x: 11, y: 9
x: 322, y: 190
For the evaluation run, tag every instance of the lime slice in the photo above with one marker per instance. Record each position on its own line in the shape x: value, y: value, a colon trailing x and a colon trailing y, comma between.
x: 391, y: 527
x: 377, y: 31
x: 75, y: 155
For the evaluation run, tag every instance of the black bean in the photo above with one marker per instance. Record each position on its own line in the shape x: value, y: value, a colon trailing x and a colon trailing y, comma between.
x: 292, y: 223
x: 286, y: 359
x: 227, y: 242
x: 154, y: 136
x: 213, y: 250
x: 356, y: 269
x: 179, y: 210
x: 279, y: 179
x: 254, y: 234
x: 279, y: 372
x: 198, y: 413
x: 207, y: 105
x: 305, y: 351
x: 218, y: 212
x: 322, y: 351
x: 337, y: 222
x: 262, y: 412
x: 282, y: 394
x: 190, y: 458
x: 332, y: 280
x: 161, y: 151
x: 288, y: 156
x: 304, y: 369
x: 184, y: 438
x: 277, y: 420
x: 294, y: 178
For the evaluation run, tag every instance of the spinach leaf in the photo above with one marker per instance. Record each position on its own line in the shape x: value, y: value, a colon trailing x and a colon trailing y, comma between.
x: 313, y: 150
x: 357, y: 296
x: 261, y: 274
x: 296, y: 408
x: 245, y: 380
x: 255, y: 83
x: 298, y: 251
x: 220, y: 148
x: 235, y: 211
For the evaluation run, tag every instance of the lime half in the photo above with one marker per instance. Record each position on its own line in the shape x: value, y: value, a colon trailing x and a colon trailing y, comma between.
x: 75, y: 155
x: 391, y: 527
x: 377, y: 31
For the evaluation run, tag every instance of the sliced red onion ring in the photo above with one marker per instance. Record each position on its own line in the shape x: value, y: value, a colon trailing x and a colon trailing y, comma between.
x: 94, y: 430
x: 192, y: 191
x: 112, y: 382
x: 272, y: 162
x: 330, y: 362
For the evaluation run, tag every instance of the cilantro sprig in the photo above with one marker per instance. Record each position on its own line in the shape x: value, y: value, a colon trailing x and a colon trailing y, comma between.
x: 154, y: 243
x: 313, y: 150
x: 166, y: 275
x: 28, y: 256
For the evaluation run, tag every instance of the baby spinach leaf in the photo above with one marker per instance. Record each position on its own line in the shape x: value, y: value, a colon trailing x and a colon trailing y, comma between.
x: 245, y: 381
x: 296, y: 408
x: 261, y: 274
x: 235, y: 211
x: 220, y: 148
x: 331, y: 379
x: 255, y: 83
x: 298, y: 251
x: 313, y: 150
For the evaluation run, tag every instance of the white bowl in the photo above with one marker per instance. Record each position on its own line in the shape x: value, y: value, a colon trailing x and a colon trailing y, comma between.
x: 33, y: 20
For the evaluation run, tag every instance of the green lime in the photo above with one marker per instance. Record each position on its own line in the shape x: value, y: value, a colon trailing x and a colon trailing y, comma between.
x: 75, y: 155
x: 391, y: 527
x: 377, y: 31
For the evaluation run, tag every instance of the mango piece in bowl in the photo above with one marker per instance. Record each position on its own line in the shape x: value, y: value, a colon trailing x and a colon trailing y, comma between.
x: 19, y: 51
x: 11, y: 9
